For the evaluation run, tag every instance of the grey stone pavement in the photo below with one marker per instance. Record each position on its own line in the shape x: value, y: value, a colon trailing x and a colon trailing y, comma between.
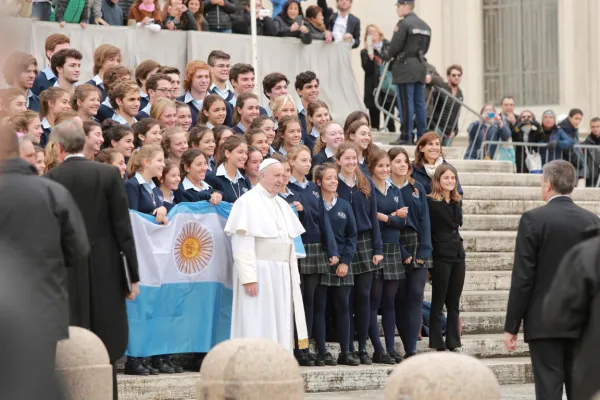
x: 509, y: 392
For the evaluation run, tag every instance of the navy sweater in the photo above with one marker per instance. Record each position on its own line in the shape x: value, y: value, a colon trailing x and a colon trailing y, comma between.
x: 192, y: 107
x: 321, y: 158
x: 230, y: 191
x: 139, y: 199
x: 104, y: 112
x: 314, y: 218
x: 421, y: 176
x: 34, y: 103
x: 387, y: 204
x: 100, y: 88
x: 42, y: 83
x: 418, y: 218
x: 343, y: 225
x: 365, y: 212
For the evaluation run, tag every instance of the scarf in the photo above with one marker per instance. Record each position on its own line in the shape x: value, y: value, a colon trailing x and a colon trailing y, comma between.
x: 430, y: 169
x: 318, y: 26
x: 147, y: 8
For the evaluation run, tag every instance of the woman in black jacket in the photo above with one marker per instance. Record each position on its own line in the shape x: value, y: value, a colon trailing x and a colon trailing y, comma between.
x: 176, y: 16
x: 371, y: 57
x: 524, y: 131
x: 448, y: 271
x: 314, y: 21
x: 289, y: 22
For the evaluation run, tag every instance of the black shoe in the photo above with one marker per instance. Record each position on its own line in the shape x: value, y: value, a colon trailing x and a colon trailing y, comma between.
x: 406, y: 356
x: 325, y: 359
x: 441, y: 350
x: 454, y: 350
x: 135, y: 366
x: 162, y: 366
x: 364, y: 358
x: 176, y: 367
x: 383, y: 358
x: 149, y: 367
x: 349, y: 359
x: 304, y: 360
x: 396, y: 356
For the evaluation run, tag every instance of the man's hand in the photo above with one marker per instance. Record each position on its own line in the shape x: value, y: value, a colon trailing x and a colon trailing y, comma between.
x: 348, y: 37
x: 427, y: 79
x: 510, y: 341
x: 135, y: 290
x: 251, y: 289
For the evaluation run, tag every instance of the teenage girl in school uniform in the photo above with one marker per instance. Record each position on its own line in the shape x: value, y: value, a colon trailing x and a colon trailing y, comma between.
x: 214, y: 111
x: 359, y: 133
x: 318, y: 116
x: 267, y: 125
x: 318, y: 240
x: 228, y: 178
x: 252, y: 165
x: 147, y: 131
x: 183, y: 115
x: 332, y: 135
x: 391, y: 214
x: 289, y: 134
x: 246, y: 110
x: 258, y: 139
x: 416, y: 251
x: 193, y: 169
x: 359, y: 191
x: 201, y: 137
x: 52, y: 101
x: 174, y: 142
x: 338, y: 281
x: 118, y: 137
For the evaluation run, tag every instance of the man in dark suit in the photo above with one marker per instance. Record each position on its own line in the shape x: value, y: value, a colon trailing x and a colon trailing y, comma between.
x: 545, y: 235
x: 343, y: 25
x: 42, y: 237
x: 99, y: 192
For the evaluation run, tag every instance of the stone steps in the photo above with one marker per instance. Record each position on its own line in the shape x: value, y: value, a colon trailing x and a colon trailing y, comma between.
x: 499, y: 179
x: 489, y: 241
x: 480, y: 300
x: 493, y: 193
x: 449, y: 152
x: 511, y: 370
x: 480, y: 165
x: 515, y: 207
x: 473, y: 222
x: 490, y: 261
x: 480, y: 346
x: 485, y: 280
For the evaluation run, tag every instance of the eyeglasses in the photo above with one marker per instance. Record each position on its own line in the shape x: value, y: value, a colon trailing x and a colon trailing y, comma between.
x: 163, y: 90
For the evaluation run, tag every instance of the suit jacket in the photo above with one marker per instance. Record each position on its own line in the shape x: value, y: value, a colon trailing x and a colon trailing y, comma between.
x: 545, y: 235
x: 99, y: 192
x: 330, y: 16
x: 446, y: 219
x: 44, y: 230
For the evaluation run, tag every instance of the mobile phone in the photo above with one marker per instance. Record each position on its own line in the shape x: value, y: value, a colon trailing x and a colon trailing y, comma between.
x: 491, y: 115
x: 264, y: 12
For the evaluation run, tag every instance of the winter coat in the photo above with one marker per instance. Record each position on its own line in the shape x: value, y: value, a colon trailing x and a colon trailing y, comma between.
x: 283, y: 24
x: 372, y: 70
x: 219, y: 17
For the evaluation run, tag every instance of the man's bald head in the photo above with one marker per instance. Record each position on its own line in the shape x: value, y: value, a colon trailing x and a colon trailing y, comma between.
x: 9, y: 143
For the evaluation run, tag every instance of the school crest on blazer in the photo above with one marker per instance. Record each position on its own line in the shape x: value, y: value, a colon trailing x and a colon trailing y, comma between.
x: 396, y: 199
x: 342, y: 215
x: 316, y: 194
x: 244, y: 189
x: 415, y: 194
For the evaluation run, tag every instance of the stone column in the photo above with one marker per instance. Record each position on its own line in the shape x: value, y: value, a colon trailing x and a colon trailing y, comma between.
x: 250, y: 369
x: 82, y: 366
x: 442, y: 376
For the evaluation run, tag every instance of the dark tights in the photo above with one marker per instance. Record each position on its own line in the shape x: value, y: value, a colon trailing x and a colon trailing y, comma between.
x: 341, y: 302
x: 409, y: 307
x: 383, y: 293
x: 360, y: 307
x: 308, y: 285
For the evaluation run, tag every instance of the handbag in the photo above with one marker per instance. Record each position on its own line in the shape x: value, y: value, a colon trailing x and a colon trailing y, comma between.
x: 533, y: 161
x: 386, y: 81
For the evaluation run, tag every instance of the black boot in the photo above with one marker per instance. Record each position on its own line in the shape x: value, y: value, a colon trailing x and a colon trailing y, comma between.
x: 383, y: 358
x: 159, y: 363
x: 149, y: 367
x: 325, y: 359
x: 396, y: 356
x: 135, y: 366
x: 349, y: 359
x: 304, y: 359
x: 173, y: 364
x: 364, y: 358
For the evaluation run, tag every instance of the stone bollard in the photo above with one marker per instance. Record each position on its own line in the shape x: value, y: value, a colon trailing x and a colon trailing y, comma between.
x: 82, y: 366
x: 250, y: 369
x: 442, y: 376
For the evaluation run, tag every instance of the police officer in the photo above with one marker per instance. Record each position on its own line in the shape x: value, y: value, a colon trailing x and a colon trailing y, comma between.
x: 408, y: 47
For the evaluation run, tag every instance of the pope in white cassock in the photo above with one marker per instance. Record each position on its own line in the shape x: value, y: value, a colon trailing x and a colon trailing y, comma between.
x: 266, y: 285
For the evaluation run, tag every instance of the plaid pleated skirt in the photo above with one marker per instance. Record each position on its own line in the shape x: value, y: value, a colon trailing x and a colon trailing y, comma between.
x: 316, y: 260
x: 393, y: 268
x: 363, y: 258
x: 331, y: 279
x: 410, y: 242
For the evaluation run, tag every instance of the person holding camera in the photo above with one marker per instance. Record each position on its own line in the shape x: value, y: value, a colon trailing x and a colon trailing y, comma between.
x: 408, y: 48
x: 489, y: 128
x: 241, y: 21
x: 524, y: 130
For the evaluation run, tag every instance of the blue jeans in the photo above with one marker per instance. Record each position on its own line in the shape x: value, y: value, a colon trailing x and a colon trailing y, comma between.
x: 221, y: 30
x: 411, y: 104
x: 409, y: 307
x: 41, y: 11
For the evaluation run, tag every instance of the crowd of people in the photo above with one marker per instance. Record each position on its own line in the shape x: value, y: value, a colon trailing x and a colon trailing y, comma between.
x: 375, y: 221
x: 285, y: 19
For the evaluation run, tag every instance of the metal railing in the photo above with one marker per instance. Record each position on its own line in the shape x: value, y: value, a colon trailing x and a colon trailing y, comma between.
x: 526, y: 156
x: 446, y: 114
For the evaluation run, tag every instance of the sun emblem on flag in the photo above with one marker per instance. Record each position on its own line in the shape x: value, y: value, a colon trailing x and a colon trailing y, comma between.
x: 194, y: 248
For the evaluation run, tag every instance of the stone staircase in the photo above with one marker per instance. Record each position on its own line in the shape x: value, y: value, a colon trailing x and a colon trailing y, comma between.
x: 494, y: 199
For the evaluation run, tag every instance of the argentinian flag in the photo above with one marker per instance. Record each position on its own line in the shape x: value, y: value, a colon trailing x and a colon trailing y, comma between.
x: 186, y: 275
x: 186, y: 268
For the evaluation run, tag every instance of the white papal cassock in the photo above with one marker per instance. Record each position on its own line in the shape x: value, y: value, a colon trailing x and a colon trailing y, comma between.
x: 263, y: 228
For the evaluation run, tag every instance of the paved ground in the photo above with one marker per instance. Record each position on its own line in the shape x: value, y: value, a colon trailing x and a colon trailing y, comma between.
x: 509, y: 392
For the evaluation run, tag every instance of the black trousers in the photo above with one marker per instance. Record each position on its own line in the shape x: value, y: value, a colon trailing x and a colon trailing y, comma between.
x: 552, y: 363
x: 447, y: 280
x: 375, y: 115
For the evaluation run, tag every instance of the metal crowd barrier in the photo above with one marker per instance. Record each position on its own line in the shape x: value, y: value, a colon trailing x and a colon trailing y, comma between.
x: 446, y: 114
x: 584, y: 157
